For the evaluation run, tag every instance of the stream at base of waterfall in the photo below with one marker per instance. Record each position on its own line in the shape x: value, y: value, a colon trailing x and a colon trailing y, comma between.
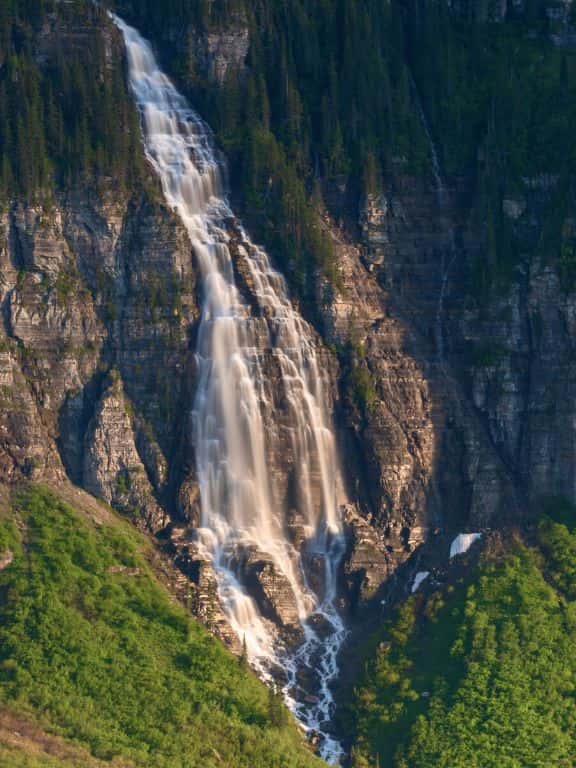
x: 242, y: 510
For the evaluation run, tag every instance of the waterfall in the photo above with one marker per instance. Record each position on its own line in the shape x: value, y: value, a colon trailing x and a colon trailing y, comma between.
x: 443, y: 204
x: 233, y: 413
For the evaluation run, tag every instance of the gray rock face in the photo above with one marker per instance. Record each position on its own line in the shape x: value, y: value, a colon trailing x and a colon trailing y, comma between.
x: 112, y: 468
x: 391, y: 442
x: 522, y: 380
x: 368, y: 562
x: 449, y: 414
x: 422, y: 265
x: 272, y: 591
x: 489, y: 431
x: 220, y: 52
x: 87, y: 286
x: 200, y: 586
x: 420, y: 456
x: 226, y: 49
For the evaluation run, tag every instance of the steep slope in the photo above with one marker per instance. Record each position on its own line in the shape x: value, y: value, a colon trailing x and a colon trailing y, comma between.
x: 96, y: 652
x: 96, y: 281
x: 410, y: 168
x: 478, y: 671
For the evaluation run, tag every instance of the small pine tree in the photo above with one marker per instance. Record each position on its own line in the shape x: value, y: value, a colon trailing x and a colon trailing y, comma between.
x: 277, y: 713
x: 358, y: 759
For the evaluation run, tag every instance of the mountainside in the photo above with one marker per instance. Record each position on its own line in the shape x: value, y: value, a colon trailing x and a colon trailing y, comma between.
x: 95, y: 651
x: 409, y: 168
x: 480, y: 673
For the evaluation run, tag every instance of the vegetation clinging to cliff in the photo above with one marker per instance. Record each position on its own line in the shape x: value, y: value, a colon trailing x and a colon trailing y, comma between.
x: 333, y: 90
x: 500, y: 99
x: 65, y: 113
x: 325, y: 94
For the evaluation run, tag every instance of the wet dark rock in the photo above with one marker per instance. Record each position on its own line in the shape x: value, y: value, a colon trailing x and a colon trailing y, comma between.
x: 188, y: 502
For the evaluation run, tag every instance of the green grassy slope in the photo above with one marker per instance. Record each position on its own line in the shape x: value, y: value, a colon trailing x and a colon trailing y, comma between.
x: 19, y: 758
x: 482, y: 674
x: 92, y: 649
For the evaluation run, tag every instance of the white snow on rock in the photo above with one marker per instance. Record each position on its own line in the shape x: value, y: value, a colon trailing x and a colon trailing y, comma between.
x: 418, y: 579
x: 462, y: 543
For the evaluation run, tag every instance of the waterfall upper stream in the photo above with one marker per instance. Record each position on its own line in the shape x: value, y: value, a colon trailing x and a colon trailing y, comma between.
x: 244, y: 512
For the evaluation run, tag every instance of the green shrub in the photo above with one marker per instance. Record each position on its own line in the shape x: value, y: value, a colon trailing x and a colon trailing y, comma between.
x: 482, y: 676
x: 105, y: 658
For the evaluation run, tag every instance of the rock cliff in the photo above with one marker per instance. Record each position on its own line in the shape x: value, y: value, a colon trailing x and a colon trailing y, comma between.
x: 452, y: 413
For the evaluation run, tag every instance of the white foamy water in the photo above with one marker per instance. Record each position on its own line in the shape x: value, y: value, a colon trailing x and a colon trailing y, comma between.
x: 462, y: 543
x: 233, y: 411
x: 418, y: 579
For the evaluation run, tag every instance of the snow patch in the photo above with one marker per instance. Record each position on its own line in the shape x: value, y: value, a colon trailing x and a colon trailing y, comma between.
x: 418, y: 579
x: 462, y: 543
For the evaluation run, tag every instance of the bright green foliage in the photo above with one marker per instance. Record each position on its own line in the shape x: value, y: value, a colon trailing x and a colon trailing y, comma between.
x: 482, y: 675
x: 99, y: 653
x: 559, y: 546
x: 362, y: 387
x: 65, y: 113
x: 13, y: 757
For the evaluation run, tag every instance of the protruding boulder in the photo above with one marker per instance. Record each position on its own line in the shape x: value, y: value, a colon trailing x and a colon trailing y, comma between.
x: 368, y: 562
x: 272, y: 591
x: 112, y: 468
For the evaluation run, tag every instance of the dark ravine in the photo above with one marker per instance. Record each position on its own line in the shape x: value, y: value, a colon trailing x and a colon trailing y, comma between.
x: 100, y: 310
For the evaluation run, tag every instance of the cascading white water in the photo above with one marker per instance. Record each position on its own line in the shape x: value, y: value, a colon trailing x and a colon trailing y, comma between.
x: 232, y: 410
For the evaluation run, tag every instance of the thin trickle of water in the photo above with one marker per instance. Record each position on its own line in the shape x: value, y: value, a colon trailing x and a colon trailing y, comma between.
x: 443, y: 201
x: 231, y: 410
x: 435, y: 161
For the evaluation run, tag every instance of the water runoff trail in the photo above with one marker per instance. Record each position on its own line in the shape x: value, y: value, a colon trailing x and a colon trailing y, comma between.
x: 231, y: 410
